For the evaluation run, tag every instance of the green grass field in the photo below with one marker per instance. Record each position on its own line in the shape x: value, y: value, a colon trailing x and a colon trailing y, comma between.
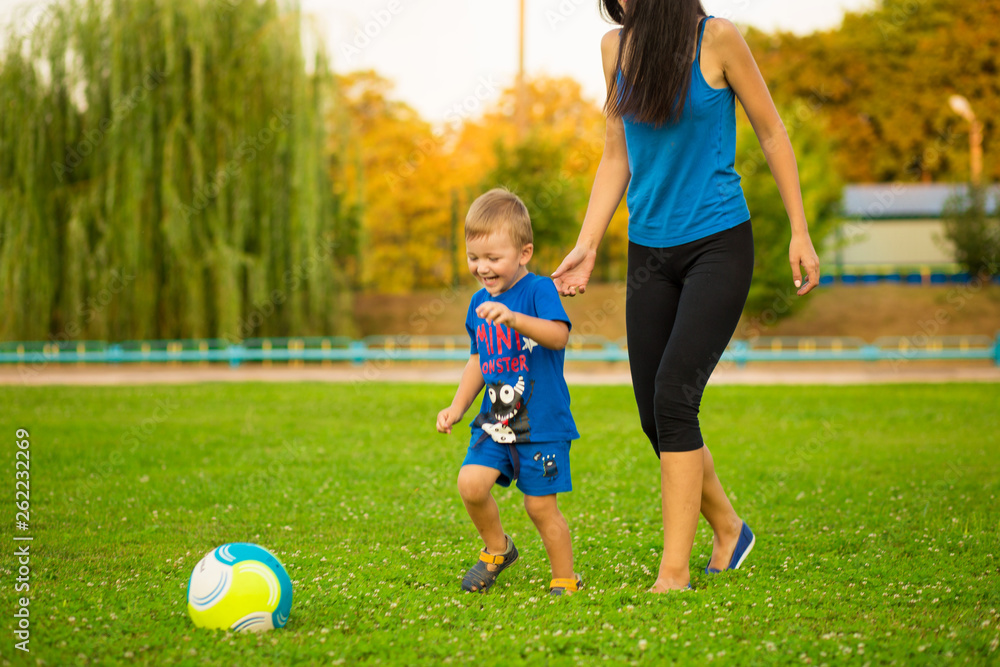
x: 875, y: 508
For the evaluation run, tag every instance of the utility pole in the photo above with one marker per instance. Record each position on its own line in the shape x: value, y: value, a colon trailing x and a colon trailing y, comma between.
x: 453, y: 245
x: 521, y: 112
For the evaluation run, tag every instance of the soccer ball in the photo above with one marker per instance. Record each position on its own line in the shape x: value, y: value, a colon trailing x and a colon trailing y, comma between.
x: 239, y: 587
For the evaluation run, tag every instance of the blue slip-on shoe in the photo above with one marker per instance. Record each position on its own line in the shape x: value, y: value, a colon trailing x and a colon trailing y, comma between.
x: 744, y: 545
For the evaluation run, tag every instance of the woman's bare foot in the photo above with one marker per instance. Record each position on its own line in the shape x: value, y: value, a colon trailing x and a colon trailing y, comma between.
x: 659, y: 587
x: 671, y: 579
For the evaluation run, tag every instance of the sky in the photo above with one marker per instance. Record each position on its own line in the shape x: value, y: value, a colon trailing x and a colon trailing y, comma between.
x: 454, y: 56
x: 445, y: 54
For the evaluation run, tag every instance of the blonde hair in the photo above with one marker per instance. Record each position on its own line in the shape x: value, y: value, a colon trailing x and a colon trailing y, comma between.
x: 499, y: 210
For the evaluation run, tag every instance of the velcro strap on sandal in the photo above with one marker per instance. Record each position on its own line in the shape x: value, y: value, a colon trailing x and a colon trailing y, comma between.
x: 568, y: 584
x: 490, y: 558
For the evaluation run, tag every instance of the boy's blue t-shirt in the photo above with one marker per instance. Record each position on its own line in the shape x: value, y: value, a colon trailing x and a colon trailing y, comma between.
x: 526, y: 397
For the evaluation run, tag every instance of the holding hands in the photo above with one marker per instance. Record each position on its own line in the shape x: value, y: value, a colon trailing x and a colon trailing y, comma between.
x: 573, y: 274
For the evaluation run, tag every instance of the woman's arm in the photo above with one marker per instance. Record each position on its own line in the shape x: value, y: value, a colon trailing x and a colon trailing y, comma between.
x: 741, y: 72
x: 610, y: 183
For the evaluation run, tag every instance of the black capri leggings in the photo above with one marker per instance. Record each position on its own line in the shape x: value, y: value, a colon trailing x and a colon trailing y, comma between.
x: 682, y: 306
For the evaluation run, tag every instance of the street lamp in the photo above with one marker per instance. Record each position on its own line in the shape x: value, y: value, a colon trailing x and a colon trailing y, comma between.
x: 961, y: 106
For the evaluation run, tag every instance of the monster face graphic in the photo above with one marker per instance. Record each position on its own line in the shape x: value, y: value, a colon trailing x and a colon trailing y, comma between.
x: 507, y: 419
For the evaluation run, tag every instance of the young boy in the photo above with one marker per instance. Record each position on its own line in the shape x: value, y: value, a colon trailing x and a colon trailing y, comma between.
x: 519, y: 331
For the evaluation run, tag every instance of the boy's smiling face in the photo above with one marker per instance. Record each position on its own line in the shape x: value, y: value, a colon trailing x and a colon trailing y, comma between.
x: 496, y: 262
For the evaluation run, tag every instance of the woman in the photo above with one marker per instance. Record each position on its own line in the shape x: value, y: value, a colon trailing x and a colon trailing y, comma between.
x: 673, y: 77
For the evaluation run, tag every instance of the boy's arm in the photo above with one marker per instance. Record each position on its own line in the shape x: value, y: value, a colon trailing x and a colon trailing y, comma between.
x: 552, y: 334
x: 469, y: 386
x: 468, y: 389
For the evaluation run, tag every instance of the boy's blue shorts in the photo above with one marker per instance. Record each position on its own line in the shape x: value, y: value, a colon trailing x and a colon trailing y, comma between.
x: 544, y: 466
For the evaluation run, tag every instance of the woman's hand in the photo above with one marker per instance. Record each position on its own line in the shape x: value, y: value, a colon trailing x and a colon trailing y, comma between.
x: 573, y: 274
x: 802, y: 254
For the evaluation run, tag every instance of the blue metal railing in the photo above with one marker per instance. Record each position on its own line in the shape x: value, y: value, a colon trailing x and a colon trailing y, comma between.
x: 922, y: 276
x: 456, y: 348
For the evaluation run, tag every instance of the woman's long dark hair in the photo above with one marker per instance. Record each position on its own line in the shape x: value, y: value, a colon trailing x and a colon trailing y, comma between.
x: 655, y: 56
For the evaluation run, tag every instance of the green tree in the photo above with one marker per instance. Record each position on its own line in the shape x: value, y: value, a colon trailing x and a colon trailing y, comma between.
x: 532, y: 169
x: 559, y: 114
x: 162, y: 174
x: 974, y: 234
x: 772, y: 292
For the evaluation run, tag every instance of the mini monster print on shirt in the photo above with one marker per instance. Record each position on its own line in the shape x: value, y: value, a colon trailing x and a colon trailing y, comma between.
x: 522, y: 378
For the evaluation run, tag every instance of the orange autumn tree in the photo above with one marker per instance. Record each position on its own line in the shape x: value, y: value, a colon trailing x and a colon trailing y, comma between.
x: 394, y: 171
x: 552, y: 166
x: 413, y: 183
x: 883, y: 80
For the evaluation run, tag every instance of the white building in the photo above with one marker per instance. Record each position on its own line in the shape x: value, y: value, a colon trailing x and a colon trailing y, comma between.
x: 895, y: 226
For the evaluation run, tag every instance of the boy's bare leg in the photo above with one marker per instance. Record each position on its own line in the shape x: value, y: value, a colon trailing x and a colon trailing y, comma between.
x: 681, y: 476
x: 474, y: 484
x: 726, y: 523
x: 552, y: 526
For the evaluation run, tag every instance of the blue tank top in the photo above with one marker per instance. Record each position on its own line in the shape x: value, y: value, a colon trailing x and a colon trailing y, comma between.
x: 684, y: 184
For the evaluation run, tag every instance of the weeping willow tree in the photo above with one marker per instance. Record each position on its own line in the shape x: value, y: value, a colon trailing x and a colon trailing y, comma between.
x: 163, y: 175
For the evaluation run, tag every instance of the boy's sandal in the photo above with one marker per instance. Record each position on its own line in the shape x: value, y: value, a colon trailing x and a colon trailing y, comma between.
x: 479, y: 579
x: 566, y: 586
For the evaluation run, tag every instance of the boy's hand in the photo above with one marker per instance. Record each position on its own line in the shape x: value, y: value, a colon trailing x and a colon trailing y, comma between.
x: 491, y: 311
x: 446, y: 418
